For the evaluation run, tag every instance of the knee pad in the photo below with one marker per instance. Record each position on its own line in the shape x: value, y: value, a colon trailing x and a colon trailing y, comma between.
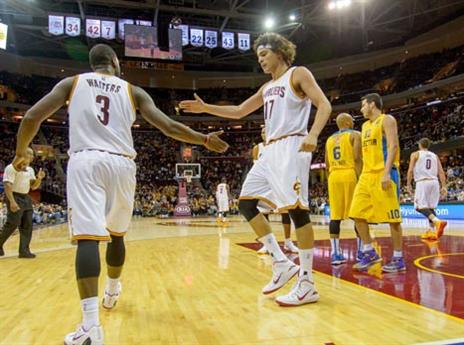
x: 334, y: 227
x: 87, y: 259
x: 248, y: 208
x: 285, y: 218
x: 116, y: 251
x: 300, y: 217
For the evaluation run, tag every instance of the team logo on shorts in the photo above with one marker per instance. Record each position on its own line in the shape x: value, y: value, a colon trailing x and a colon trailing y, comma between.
x: 297, y: 187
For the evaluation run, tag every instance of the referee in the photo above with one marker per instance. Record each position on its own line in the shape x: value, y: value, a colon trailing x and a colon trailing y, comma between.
x: 17, y: 183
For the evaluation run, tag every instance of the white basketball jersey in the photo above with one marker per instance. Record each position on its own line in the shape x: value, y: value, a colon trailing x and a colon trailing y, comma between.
x: 260, y: 151
x: 285, y: 113
x: 101, y: 114
x: 221, y: 191
x: 426, y: 166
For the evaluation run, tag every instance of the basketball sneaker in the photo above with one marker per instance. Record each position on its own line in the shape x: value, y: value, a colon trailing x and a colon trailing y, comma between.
x: 81, y: 336
x: 282, y: 272
x: 440, y: 226
x: 302, y: 292
x: 262, y: 251
x: 359, y: 256
x: 338, y: 259
x: 110, y: 299
x: 290, y: 248
x: 369, y: 259
x: 394, y: 266
x: 429, y: 235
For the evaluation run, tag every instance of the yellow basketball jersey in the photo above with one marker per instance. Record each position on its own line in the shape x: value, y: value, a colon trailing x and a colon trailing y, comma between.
x: 340, y: 150
x: 374, y: 146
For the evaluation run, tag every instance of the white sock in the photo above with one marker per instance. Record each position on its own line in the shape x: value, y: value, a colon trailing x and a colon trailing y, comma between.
x: 433, y: 218
x: 89, y: 308
x: 397, y: 254
x: 112, y: 285
x: 367, y: 247
x: 359, y: 242
x: 288, y: 241
x: 273, y: 247
x: 335, y: 244
x: 306, y: 263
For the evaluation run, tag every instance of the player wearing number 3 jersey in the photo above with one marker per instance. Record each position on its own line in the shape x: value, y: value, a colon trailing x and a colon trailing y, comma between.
x: 280, y: 176
x: 101, y: 171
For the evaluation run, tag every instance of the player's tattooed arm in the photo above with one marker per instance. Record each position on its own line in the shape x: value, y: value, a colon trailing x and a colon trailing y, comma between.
x: 38, y: 113
x: 226, y: 111
x: 442, y: 178
x: 306, y: 86
x: 410, y: 175
x: 145, y: 104
x: 327, y: 163
x: 390, y: 130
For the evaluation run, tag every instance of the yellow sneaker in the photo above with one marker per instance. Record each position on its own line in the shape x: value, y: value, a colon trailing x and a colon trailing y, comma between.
x: 429, y: 235
x: 440, y: 226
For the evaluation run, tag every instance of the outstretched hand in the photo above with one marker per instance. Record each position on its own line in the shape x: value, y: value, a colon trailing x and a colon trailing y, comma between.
x: 216, y: 144
x: 19, y: 160
x: 193, y: 106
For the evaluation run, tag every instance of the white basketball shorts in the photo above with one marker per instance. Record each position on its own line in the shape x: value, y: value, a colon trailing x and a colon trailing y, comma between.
x: 223, y: 204
x: 427, y: 194
x: 280, y: 176
x: 100, y: 188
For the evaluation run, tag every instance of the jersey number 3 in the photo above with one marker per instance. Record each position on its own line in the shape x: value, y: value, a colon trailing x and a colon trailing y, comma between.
x: 105, y: 105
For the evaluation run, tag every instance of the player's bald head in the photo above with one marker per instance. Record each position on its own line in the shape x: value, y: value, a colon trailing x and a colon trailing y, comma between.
x: 101, y: 55
x: 344, y: 121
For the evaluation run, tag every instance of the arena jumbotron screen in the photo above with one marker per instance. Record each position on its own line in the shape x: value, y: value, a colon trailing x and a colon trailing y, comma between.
x: 142, y: 41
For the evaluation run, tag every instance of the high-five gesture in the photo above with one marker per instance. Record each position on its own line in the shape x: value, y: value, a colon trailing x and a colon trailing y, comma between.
x: 214, y: 143
x: 193, y: 106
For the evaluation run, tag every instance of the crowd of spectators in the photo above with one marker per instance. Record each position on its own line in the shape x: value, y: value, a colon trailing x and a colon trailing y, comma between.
x: 43, y: 213
x: 344, y: 88
x: 157, y: 155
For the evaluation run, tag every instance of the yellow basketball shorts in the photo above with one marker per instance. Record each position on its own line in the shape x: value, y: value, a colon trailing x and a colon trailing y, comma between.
x: 374, y: 204
x: 342, y: 183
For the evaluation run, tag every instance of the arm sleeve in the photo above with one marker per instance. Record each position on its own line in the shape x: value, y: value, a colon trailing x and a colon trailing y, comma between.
x: 10, y: 174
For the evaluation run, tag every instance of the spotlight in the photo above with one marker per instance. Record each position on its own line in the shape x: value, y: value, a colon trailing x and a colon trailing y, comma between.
x: 269, y: 23
x: 339, y: 4
x: 292, y: 17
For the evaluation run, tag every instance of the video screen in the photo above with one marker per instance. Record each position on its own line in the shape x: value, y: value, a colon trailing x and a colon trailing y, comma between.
x: 142, y: 41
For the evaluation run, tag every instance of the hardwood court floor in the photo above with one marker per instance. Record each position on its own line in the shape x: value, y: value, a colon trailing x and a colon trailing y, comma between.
x: 188, y: 282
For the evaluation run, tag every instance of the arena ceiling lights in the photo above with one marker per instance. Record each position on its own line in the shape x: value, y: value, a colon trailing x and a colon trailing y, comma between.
x: 339, y: 4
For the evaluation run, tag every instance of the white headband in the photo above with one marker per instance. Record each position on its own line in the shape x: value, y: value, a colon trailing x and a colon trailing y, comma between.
x: 264, y: 46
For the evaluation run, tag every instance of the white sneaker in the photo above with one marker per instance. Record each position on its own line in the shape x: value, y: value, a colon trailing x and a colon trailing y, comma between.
x: 282, y: 272
x: 290, y: 247
x: 302, y: 292
x: 93, y: 336
x: 262, y: 251
x: 110, y: 300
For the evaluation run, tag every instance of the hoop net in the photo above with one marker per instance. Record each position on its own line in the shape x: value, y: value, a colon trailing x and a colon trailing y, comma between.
x: 188, y: 174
